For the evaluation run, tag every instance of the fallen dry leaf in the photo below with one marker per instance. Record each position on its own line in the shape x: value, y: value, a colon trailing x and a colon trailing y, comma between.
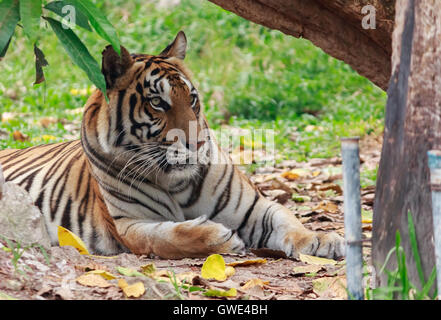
x: 93, y: 280
x: 134, y: 290
x: 315, y: 260
x: 214, y: 268
x: 310, y: 268
x: 330, y: 186
x: 47, y: 121
x: 254, y: 282
x: 229, y: 271
x: 103, y: 273
x: 68, y: 238
x: 18, y: 136
x: 246, y: 262
x: 326, y: 206
x: 148, y: 268
x: 295, y: 174
x: 331, y: 287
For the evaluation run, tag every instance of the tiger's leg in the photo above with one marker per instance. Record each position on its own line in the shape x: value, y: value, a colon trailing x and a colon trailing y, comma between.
x: 174, y: 240
x: 271, y: 225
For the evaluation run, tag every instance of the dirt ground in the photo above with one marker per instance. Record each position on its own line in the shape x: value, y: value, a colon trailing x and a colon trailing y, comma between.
x: 312, y: 190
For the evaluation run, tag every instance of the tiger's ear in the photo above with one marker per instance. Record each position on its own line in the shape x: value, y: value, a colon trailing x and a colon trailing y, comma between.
x: 177, y: 48
x: 114, y: 66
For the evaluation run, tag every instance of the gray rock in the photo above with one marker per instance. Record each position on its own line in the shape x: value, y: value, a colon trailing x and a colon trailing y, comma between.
x: 20, y: 219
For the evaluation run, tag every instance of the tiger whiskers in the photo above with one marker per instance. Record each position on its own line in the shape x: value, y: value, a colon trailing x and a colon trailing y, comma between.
x: 150, y: 157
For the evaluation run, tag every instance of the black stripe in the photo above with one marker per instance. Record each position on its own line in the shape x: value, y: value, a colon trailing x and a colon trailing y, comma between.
x: 196, y: 187
x: 224, y: 197
x: 252, y: 233
x: 264, y: 228
x: 119, y: 116
x: 154, y: 72
x: 240, y: 195
x: 271, y: 229
x: 65, y: 220
x: 248, y: 213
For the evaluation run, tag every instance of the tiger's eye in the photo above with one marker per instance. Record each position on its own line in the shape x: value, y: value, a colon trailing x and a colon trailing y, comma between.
x: 155, y: 101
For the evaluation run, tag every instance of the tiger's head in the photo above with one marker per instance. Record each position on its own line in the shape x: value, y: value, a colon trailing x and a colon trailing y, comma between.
x: 153, y: 121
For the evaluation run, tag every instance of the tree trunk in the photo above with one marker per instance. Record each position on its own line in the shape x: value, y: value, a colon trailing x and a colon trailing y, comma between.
x: 333, y: 25
x: 413, y: 119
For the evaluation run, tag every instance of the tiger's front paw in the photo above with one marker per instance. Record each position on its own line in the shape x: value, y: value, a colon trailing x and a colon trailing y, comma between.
x: 331, y: 246
x: 327, y: 245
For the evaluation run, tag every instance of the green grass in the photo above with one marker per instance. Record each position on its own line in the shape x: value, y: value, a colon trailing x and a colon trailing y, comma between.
x: 247, y: 75
x: 399, y: 285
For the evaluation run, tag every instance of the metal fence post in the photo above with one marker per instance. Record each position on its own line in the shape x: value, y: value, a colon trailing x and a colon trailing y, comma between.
x: 352, y: 213
x: 434, y: 159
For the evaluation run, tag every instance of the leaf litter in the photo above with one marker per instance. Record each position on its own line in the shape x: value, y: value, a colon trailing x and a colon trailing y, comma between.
x: 312, y: 190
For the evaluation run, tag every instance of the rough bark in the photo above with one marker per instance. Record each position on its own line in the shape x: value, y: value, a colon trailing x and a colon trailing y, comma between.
x: 413, y: 119
x: 333, y: 25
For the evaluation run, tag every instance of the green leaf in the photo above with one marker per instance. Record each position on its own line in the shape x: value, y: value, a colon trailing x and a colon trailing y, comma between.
x: 426, y: 288
x: 79, y: 54
x: 5, y: 49
x: 129, y: 272
x: 81, y: 19
x: 30, y: 12
x: 99, y: 22
x: 414, y: 246
x: 220, y: 293
x: 9, y: 17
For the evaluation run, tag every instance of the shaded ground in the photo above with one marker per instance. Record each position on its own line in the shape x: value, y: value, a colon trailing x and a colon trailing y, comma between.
x: 313, y: 190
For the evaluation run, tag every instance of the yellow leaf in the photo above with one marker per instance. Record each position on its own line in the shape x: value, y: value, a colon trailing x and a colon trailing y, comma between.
x: 134, y: 290
x: 220, y: 293
x: 316, y: 173
x: 246, y: 262
x: 254, y: 282
x: 122, y: 283
x: 229, y: 271
x: 93, y: 280
x: 315, y: 260
x: 103, y: 273
x: 148, y: 268
x: 48, y: 137
x: 295, y: 174
x: 80, y: 92
x: 68, y: 238
x: 214, y: 268
x: 44, y: 138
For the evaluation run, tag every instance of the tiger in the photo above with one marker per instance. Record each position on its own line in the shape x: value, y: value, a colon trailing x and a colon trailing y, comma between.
x: 116, y: 189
